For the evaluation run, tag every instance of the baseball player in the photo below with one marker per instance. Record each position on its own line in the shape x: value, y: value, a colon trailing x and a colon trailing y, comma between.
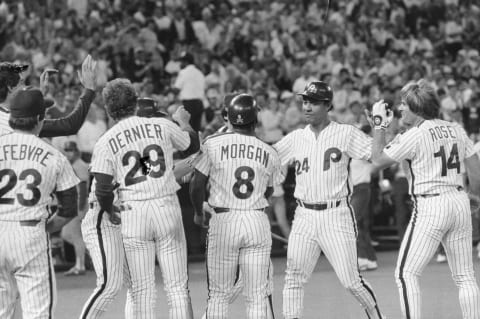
x: 137, y: 153
x: 241, y: 171
x: 434, y: 152
x: 324, y: 219
x: 239, y: 280
x: 103, y: 238
x: 30, y: 171
x: 10, y: 81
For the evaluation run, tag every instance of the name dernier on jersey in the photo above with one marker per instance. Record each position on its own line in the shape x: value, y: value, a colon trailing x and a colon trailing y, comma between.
x: 134, y: 134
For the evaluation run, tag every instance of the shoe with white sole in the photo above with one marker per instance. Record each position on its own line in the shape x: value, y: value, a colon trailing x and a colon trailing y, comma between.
x: 441, y: 258
x: 366, y: 264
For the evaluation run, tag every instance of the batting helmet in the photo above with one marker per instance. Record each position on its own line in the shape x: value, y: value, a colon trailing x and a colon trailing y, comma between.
x: 226, y: 102
x: 242, y: 110
x: 317, y: 91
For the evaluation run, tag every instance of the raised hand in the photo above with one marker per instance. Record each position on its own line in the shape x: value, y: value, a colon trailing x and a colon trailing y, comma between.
x: 88, y: 74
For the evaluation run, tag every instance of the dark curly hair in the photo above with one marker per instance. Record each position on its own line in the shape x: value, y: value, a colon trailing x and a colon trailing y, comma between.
x: 9, y: 77
x: 120, y: 98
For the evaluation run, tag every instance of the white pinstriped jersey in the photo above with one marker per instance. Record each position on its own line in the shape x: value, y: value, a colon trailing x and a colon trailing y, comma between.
x: 4, y: 117
x: 30, y: 171
x: 240, y: 169
x: 322, y: 163
x: 138, y: 153
x: 435, y: 152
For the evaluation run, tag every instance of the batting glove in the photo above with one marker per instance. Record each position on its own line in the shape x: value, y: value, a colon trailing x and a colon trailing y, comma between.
x: 381, y: 116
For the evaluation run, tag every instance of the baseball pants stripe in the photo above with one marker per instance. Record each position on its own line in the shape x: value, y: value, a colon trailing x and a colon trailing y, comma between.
x: 94, y: 298
x: 443, y: 219
x: 51, y: 275
x: 26, y: 270
x: 154, y: 228
x: 332, y: 231
x: 364, y: 284
x: 403, y: 258
x: 104, y: 243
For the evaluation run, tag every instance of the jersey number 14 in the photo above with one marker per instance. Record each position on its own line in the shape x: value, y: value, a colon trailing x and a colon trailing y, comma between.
x: 452, y: 162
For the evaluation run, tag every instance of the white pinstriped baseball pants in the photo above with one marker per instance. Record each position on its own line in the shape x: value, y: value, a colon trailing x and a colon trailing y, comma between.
x: 154, y: 227
x: 26, y: 268
x: 104, y: 243
x: 238, y: 238
x: 332, y: 231
x: 446, y: 219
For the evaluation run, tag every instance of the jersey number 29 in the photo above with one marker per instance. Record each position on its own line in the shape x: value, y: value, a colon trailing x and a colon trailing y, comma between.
x: 145, y: 163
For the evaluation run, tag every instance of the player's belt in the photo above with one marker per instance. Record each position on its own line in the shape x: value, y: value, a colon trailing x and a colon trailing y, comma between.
x: 459, y: 188
x: 220, y: 210
x: 318, y: 206
x: 121, y: 207
x: 29, y: 223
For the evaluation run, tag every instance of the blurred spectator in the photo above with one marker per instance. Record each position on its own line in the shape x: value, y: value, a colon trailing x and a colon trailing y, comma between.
x: 94, y: 126
x: 306, y: 77
x: 190, y: 84
x: 63, y: 109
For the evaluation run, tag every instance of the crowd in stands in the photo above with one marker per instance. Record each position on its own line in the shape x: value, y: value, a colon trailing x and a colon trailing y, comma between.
x: 365, y: 49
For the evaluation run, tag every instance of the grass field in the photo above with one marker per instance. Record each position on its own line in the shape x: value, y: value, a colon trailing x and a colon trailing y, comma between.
x: 324, y: 296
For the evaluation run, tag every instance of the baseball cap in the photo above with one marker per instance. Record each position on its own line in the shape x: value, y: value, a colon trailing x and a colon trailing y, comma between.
x: 29, y: 102
x: 12, y: 67
x: 317, y: 91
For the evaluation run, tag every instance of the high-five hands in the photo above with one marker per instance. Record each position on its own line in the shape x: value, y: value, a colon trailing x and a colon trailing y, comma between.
x: 381, y: 116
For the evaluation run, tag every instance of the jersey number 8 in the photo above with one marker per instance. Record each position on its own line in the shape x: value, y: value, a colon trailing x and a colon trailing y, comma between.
x: 243, y: 188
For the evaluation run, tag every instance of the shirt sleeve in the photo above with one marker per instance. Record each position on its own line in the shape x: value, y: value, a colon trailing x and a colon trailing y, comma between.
x: 180, y: 139
x: 81, y: 169
x: 359, y: 145
x: 278, y: 175
x: 403, y: 146
x: 469, y: 146
x: 204, y: 163
x: 66, y: 178
x: 179, y: 81
x: 70, y: 124
x: 102, y: 161
x: 285, y: 149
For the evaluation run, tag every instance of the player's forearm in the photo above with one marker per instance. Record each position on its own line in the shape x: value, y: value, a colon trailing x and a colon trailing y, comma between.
x: 194, y: 142
x: 67, y: 203
x: 70, y: 124
x: 197, y: 194
x: 379, y: 143
x: 104, y: 191
x: 82, y: 196
x: 183, y: 168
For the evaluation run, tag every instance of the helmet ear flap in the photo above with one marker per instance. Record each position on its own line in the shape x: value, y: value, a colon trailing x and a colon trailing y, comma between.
x: 330, y: 107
